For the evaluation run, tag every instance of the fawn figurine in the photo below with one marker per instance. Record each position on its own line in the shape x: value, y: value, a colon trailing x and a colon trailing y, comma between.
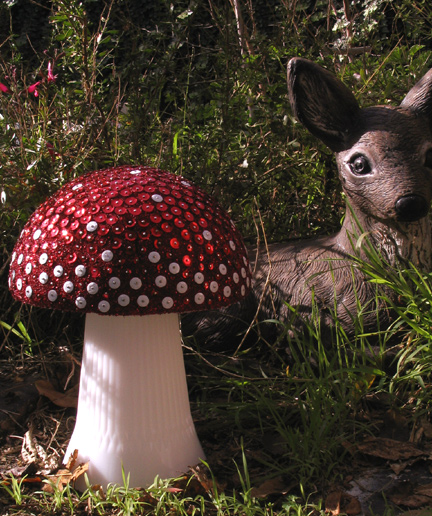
x: 384, y: 159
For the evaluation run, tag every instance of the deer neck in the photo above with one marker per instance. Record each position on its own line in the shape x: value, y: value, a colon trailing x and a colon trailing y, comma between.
x: 397, y: 242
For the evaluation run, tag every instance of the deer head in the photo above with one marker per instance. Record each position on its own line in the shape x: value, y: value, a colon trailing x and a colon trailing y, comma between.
x: 383, y: 154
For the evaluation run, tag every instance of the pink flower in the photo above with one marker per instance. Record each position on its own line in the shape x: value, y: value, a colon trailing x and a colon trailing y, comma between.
x: 33, y: 88
x: 51, y: 77
x: 51, y: 151
x: 4, y: 88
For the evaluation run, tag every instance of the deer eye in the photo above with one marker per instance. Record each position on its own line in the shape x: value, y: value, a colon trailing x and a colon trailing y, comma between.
x: 360, y: 165
x: 428, y: 158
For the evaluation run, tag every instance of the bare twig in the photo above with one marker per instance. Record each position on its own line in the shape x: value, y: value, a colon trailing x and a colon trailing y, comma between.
x: 267, y: 286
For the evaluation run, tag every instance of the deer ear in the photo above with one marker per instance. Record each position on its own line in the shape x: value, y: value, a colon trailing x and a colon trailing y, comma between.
x: 419, y: 97
x: 321, y: 103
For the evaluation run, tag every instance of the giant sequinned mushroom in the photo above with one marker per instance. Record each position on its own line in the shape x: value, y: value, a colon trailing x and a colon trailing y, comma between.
x: 125, y: 245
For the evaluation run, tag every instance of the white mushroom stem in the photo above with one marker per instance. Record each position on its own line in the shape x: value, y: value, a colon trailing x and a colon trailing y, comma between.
x: 133, y: 406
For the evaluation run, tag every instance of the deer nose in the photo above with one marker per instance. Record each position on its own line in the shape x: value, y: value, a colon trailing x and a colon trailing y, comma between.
x: 410, y: 208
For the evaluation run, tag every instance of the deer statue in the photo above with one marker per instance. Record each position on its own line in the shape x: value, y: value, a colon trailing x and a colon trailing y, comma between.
x: 384, y: 159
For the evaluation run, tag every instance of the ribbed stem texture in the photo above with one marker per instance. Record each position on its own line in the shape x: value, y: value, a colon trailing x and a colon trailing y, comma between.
x: 133, y: 407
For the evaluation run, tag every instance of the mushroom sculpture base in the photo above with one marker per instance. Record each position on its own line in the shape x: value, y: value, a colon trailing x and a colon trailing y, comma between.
x: 133, y: 408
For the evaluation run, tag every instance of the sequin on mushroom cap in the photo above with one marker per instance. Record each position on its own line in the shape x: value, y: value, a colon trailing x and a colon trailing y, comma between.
x: 130, y: 240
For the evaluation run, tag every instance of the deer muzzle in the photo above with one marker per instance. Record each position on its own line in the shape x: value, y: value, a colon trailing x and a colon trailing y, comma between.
x: 410, y: 208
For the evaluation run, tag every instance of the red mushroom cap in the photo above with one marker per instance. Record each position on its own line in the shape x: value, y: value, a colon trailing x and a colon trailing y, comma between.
x: 130, y: 240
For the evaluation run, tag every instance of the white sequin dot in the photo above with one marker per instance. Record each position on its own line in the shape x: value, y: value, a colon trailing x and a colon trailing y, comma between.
x: 19, y: 284
x: 114, y: 282
x: 20, y: 259
x: 80, y: 270
x: 135, y: 172
x: 174, y: 268
x: 37, y: 234
x: 43, y: 258
x: 103, y: 306
x: 143, y: 301
x: 77, y: 187
x: 227, y: 291
x: 154, y: 256
x: 248, y: 281
x: 199, y: 278
x: 160, y: 281
x: 135, y: 283
x: 199, y: 298
x: 222, y: 268
x: 80, y: 302
x: 43, y: 278
x: 182, y: 287
x: 29, y: 291
x: 107, y: 255
x: 58, y: 271
x: 207, y: 235
x: 123, y: 300
x: 92, y: 226
x: 243, y: 272
x: 157, y: 198
x: 232, y: 245
x: 167, y: 302
x: 28, y: 268
x: 214, y: 287
x: 92, y: 288
x: 236, y: 277
x: 13, y: 257
x: 68, y: 287
x: 52, y: 295
x: 245, y: 260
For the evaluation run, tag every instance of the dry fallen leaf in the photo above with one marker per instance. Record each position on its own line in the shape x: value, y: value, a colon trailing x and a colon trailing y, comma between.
x: 415, y: 497
x: 269, y: 487
x: 62, y: 399
x: 399, y: 467
x: 353, y: 507
x: 68, y: 474
x: 414, y: 501
x: 339, y: 502
x: 333, y: 503
x: 33, y: 452
x: 205, y: 484
x: 70, y: 464
x: 389, y: 449
x: 425, y: 489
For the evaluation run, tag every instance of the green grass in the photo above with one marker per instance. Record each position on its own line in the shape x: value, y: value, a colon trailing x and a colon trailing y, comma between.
x: 160, y: 498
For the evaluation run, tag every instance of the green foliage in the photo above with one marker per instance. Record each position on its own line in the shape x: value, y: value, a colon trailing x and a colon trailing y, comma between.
x: 409, y: 292
x: 171, y: 85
